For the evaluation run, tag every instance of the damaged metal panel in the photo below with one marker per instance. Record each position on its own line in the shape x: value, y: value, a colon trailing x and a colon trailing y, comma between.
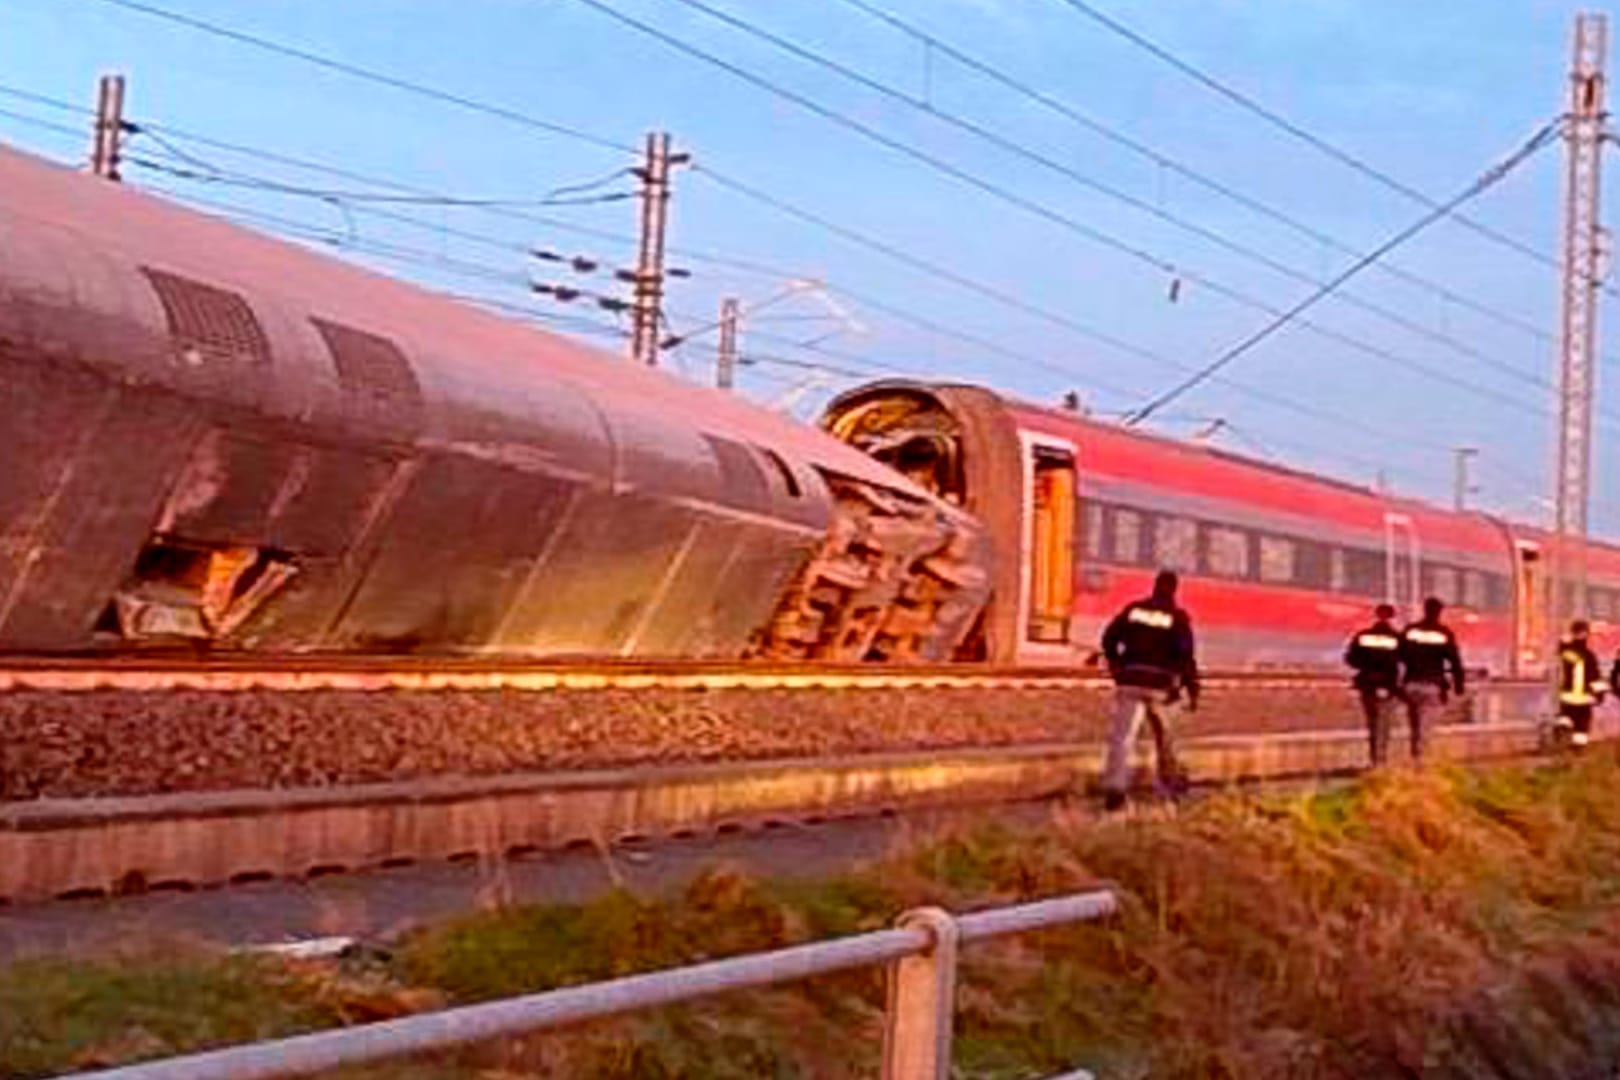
x: 49, y: 415
x: 98, y: 521
x: 595, y: 584
x: 685, y: 614
x: 383, y: 468
x: 452, y: 556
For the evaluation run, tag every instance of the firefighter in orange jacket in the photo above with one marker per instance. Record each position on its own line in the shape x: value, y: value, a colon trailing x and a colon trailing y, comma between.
x: 1580, y: 685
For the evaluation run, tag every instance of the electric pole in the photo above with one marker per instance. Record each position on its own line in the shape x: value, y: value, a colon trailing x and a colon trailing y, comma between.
x: 108, y: 133
x: 647, y: 305
x: 1462, y: 487
x: 1583, y: 134
x: 725, y: 371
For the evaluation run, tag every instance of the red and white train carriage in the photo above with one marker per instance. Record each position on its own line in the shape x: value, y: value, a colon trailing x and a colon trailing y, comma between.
x: 1279, y: 566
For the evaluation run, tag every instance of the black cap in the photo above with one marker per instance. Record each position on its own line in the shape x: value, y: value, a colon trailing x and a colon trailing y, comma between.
x: 1433, y: 606
x: 1580, y: 628
x: 1384, y: 611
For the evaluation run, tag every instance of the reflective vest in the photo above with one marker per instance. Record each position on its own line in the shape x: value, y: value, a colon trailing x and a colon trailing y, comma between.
x: 1579, y: 686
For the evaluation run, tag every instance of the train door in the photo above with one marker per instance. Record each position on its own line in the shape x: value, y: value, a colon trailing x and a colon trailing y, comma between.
x: 1529, y: 607
x: 1402, y: 557
x: 1049, y: 540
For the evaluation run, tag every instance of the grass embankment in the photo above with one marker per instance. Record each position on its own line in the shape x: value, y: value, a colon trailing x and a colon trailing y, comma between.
x: 1446, y: 924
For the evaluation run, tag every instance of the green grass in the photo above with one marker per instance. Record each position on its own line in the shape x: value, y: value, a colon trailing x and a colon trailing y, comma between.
x: 1391, y: 927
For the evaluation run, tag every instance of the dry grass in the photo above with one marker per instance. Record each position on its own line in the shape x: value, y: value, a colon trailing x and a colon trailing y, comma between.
x: 1447, y: 924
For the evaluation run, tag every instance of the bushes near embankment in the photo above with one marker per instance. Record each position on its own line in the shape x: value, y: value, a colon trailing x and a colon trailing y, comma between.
x: 1449, y: 924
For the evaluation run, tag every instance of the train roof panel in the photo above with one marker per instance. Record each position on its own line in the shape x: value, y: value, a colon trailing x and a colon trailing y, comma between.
x: 439, y: 332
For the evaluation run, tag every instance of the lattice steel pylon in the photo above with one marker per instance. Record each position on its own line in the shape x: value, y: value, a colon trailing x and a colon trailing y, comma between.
x: 1584, y: 131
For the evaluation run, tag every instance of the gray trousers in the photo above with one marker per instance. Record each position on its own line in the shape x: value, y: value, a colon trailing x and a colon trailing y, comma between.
x: 1131, y: 705
x: 1423, y: 704
x: 1376, y: 706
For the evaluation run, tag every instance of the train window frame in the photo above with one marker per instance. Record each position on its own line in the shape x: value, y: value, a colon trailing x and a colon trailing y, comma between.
x: 1444, y: 581
x: 1226, y: 551
x: 1265, y: 566
x: 1175, y: 543
x: 1093, y: 528
x: 1313, y: 564
x: 1364, y: 572
x: 1499, y: 592
x: 1473, y: 592
x: 1116, y: 516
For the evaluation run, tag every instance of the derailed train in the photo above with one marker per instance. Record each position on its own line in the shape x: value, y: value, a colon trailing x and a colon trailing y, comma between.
x: 214, y: 437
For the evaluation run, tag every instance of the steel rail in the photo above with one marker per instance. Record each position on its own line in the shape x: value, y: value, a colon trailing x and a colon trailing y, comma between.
x: 302, y: 673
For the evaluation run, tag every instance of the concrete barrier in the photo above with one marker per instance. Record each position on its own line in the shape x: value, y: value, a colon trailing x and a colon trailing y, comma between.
x: 51, y: 848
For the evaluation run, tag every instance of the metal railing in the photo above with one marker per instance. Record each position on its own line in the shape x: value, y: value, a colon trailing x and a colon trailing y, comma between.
x: 921, y: 950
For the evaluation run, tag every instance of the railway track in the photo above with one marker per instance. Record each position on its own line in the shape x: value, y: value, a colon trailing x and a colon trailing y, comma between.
x: 92, y: 830
x: 296, y: 673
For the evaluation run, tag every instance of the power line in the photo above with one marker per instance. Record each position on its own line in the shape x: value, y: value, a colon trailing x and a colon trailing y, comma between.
x: 370, y: 75
x: 524, y: 120
x: 42, y: 124
x: 1547, y: 133
x: 437, y: 261
x: 1023, y: 151
x: 225, y: 176
x: 862, y: 297
x: 1042, y: 210
x: 754, y: 266
x: 1180, y: 168
x: 1299, y: 132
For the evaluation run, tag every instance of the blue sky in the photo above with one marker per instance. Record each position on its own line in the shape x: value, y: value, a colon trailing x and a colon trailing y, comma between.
x: 1433, y: 93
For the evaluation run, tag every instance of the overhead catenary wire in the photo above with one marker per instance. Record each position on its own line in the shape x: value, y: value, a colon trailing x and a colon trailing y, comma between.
x: 749, y: 266
x: 371, y: 75
x: 1304, y: 135
x: 738, y: 186
x: 551, y: 198
x: 1048, y: 213
x: 756, y: 267
x: 1180, y: 168
x: 1090, y: 183
x: 1543, y: 136
x: 834, y: 362
x: 862, y: 297
x: 1270, y: 397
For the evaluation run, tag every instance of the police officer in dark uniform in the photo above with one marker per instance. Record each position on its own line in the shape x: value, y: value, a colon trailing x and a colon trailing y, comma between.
x: 1580, y: 685
x: 1149, y: 650
x: 1374, y: 654
x: 1432, y: 669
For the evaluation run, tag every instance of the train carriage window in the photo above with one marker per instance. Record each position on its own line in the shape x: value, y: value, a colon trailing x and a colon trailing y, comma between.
x: 1091, y: 529
x: 1277, y: 559
x: 1313, y: 564
x: 1175, y: 543
x: 1226, y: 551
x: 1474, y: 594
x: 1440, y: 581
x: 1126, y: 536
x: 1497, y: 593
x: 1339, y: 571
x: 1364, y: 572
